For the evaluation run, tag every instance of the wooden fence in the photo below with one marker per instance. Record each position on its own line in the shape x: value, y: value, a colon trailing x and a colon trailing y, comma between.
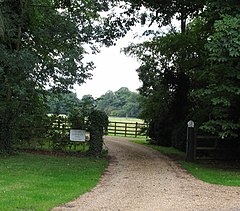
x: 209, y: 147
x: 129, y: 129
x: 56, y: 135
x: 206, y: 146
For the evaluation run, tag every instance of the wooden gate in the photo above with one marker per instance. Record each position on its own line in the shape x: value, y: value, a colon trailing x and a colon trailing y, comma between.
x: 129, y: 129
x: 209, y: 146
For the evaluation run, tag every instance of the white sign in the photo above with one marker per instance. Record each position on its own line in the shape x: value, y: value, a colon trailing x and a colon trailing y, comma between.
x: 77, y: 135
x: 190, y: 123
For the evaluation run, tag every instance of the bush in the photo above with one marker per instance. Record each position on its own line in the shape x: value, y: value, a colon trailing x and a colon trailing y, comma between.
x: 97, y: 123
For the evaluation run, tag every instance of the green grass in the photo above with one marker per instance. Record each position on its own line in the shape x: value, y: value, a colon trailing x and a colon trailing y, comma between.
x: 220, y: 173
x: 124, y: 119
x: 40, y: 182
x: 170, y: 151
x: 214, y: 175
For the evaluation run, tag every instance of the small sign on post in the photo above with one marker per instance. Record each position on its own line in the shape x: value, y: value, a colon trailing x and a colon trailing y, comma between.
x: 77, y: 135
x: 191, y: 143
x: 190, y: 123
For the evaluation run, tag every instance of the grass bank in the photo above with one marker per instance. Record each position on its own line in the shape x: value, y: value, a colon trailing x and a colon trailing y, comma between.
x: 221, y: 173
x: 41, y: 182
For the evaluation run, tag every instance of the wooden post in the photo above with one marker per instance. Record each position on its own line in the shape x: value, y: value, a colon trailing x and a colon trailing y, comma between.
x: 63, y: 129
x: 136, y: 130
x: 191, y: 143
x: 115, y: 129
x: 58, y: 122
x: 125, y: 129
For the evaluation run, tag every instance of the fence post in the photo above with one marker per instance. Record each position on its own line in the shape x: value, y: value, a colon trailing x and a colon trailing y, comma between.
x: 115, y: 129
x: 191, y: 142
x: 63, y: 129
x: 136, y: 130
x: 125, y: 129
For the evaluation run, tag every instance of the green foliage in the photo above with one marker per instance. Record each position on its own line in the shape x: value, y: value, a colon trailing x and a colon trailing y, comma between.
x: 122, y: 103
x: 223, y: 44
x: 83, y: 117
x: 80, y: 114
x: 193, y: 74
x: 67, y: 103
x: 222, y: 76
x: 163, y: 12
x: 97, y: 124
x: 62, y: 103
x: 41, y: 182
x: 35, y: 51
x: 41, y: 45
x: 167, y: 63
x: 57, y: 133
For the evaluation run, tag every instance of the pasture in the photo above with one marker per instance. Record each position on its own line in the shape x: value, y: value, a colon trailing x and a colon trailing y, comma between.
x: 125, y: 119
x: 127, y: 127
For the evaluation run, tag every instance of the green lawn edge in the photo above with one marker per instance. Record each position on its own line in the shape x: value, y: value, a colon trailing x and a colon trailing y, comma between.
x: 207, y: 172
x: 42, y: 182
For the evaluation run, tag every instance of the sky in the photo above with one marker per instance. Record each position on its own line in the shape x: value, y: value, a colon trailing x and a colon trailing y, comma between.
x: 113, y: 68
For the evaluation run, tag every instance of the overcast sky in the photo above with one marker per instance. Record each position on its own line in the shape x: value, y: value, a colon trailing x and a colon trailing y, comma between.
x: 113, y: 69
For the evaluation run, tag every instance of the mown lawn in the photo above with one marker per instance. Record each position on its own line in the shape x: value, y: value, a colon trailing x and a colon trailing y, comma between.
x: 41, y: 182
x: 215, y: 175
x: 124, y: 119
x: 221, y: 173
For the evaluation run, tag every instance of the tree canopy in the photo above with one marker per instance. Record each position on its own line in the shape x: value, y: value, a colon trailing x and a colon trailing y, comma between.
x: 41, y: 47
x: 192, y: 72
x: 122, y: 103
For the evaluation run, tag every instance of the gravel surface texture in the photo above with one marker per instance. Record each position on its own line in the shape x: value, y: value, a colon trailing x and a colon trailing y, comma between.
x: 142, y: 179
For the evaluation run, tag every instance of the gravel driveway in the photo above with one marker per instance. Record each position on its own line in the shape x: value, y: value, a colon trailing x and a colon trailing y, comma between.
x: 140, y: 178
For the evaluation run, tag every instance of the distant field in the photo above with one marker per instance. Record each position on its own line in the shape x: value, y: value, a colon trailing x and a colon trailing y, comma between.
x: 130, y: 127
x: 125, y: 119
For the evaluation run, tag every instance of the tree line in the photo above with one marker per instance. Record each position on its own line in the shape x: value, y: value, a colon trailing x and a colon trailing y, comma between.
x: 190, y: 72
x: 122, y: 103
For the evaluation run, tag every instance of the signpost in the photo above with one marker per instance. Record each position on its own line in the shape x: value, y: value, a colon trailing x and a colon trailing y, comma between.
x: 191, y: 143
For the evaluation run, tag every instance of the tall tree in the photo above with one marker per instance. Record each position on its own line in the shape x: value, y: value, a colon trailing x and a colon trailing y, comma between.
x: 166, y: 80
x: 221, y: 73
x: 41, y: 46
x: 62, y: 103
x: 176, y: 65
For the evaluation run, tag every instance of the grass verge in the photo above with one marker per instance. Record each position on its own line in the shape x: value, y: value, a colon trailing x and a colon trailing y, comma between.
x: 41, y: 182
x: 213, y: 174
x: 220, y: 173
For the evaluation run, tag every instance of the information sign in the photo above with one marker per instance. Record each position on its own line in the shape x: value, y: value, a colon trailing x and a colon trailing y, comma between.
x: 77, y: 135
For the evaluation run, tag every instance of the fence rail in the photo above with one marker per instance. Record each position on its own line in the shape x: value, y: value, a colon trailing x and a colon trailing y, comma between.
x: 56, y: 135
x: 127, y: 129
x: 209, y: 147
x: 206, y: 146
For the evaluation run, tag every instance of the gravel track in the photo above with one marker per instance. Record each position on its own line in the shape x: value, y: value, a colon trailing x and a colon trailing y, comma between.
x: 142, y: 179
